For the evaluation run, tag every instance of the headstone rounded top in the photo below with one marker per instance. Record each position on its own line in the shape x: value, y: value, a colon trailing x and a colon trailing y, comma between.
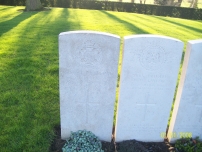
x: 150, y: 36
x: 88, y: 32
x: 195, y: 41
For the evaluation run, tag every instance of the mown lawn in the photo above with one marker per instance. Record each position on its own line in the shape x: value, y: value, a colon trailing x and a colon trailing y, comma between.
x: 29, y: 88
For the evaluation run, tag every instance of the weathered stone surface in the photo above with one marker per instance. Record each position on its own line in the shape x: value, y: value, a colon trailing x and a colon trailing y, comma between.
x: 88, y: 64
x: 186, y: 119
x: 148, y: 79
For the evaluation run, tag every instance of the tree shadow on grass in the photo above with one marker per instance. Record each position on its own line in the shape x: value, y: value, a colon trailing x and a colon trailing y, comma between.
x: 9, y: 24
x: 179, y: 24
x: 128, y: 25
x: 29, y: 81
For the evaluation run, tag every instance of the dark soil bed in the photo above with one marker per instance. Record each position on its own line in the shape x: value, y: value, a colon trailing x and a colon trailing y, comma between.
x: 125, y: 146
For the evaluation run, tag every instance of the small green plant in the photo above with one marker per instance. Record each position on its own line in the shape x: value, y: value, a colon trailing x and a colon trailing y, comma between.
x: 82, y: 141
x: 188, y: 145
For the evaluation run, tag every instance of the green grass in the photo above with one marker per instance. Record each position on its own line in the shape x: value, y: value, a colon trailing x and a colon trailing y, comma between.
x: 29, y: 91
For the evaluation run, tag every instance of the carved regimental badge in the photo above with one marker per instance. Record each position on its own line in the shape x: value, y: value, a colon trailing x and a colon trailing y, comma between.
x: 152, y: 57
x: 88, y: 53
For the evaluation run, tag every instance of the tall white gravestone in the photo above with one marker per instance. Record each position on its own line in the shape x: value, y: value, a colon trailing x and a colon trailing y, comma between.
x: 186, y: 119
x: 88, y: 65
x: 148, y: 79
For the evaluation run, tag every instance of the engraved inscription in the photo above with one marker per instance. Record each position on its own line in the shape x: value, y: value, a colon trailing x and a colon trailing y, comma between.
x: 153, y: 81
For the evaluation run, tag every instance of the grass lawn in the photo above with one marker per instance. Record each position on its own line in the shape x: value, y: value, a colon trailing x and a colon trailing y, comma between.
x: 29, y: 87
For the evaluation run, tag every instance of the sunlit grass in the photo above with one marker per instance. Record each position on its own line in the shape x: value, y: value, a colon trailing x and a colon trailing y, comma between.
x: 29, y: 91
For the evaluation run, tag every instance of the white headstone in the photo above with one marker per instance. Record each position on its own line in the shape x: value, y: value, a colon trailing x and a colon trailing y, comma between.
x: 148, y: 79
x: 186, y: 119
x: 88, y: 65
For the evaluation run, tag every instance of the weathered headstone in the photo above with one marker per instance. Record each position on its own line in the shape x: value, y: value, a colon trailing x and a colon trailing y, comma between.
x: 88, y: 64
x: 148, y: 79
x: 186, y: 119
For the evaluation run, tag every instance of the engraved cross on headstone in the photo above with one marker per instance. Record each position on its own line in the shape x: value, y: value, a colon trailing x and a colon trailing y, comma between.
x: 88, y: 91
x: 146, y: 104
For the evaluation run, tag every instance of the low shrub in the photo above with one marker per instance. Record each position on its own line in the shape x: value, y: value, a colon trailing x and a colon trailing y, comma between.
x: 188, y: 145
x: 82, y: 141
